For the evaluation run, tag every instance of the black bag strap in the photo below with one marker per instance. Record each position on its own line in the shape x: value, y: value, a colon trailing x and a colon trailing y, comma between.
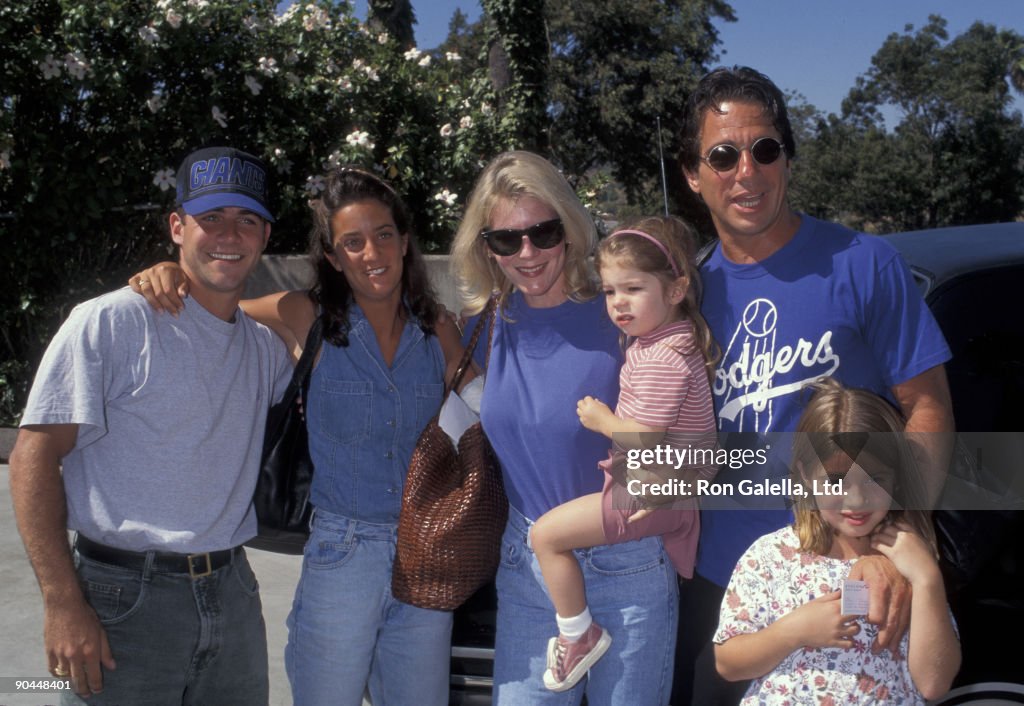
x: 705, y: 251
x: 486, y: 316
x: 300, y: 378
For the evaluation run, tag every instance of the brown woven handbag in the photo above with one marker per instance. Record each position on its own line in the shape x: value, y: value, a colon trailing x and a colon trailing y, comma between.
x: 453, y: 512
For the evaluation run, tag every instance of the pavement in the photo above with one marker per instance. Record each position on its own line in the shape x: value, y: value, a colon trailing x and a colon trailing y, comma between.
x: 21, y: 611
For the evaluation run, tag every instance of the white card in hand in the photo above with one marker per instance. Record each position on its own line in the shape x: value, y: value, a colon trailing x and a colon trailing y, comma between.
x: 456, y: 417
x: 855, y: 598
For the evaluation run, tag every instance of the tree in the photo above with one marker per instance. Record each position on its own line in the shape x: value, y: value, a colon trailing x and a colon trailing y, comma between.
x: 954, y: 155
x: 394, y: 17
x: 617, y: 66
x: 100, y: 99
x: 518, y: 67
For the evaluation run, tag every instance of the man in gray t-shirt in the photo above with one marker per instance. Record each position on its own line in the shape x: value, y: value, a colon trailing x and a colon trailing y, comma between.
x: 142, y: 433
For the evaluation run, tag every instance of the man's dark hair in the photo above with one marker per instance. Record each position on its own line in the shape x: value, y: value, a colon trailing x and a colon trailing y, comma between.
x: 737, y: 84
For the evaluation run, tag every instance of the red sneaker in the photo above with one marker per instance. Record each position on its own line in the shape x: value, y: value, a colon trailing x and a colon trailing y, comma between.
x: 569, y: 661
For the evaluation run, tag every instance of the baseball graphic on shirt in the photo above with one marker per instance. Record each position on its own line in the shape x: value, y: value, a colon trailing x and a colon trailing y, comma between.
x: 759, y: 318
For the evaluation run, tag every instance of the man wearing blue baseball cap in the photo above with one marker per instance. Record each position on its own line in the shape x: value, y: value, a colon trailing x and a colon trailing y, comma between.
x: 142, y: 434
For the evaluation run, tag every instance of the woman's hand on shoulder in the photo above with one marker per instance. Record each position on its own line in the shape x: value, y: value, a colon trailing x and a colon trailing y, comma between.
x: 164, y: 286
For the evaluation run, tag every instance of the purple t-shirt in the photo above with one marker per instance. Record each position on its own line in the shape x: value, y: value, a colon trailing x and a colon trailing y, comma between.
x: 543, y: 361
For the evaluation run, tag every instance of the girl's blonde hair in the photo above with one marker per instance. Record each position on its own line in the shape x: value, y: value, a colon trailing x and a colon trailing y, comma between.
x: 511, y: 176
x: 848, y: 421
x: 680, y: 241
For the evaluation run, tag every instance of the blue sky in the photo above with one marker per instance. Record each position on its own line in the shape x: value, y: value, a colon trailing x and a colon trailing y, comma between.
x: 816, y: 47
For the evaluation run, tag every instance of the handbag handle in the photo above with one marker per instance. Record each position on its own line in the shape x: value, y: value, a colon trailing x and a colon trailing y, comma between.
x: 467, y: 355
x: 300, y: 378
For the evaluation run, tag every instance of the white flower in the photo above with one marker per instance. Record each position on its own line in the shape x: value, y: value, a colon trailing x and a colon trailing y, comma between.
x: 425, y: 61
x: 148, y: 35
x: 268, y: 65
x: 315, y: 17
x: 155, y: 103
x: 251, y: 23
x: 333, y: 160
x: 357, y: 64
x: 220, y: 117
x: 345, y: 83
x: 466, y: 122
x: 486, y: 109
x: 383, y: 38
x: 163, y: 4
x: 446, y: 130
x: 199, y: 4
x: 50, y: 67
x: 446, y: 197
x: 253, y: 85
x: 314, y: 185
x: 75, y: 65
x: 413, y: 54
x: 164, y: 178
x: 358, y: 138
x: 5, y: 159
x: 173, y: 19
x: 371, y: 73
x: 452, y: 56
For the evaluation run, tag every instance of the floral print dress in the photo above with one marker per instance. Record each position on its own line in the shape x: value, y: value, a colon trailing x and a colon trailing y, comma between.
x: 772, y: 579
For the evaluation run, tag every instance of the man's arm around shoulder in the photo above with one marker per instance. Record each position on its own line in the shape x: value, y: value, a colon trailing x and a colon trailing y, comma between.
x: 74, y: 640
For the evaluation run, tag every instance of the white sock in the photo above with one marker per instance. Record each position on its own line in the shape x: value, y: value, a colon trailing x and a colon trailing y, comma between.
x: 572, y: 629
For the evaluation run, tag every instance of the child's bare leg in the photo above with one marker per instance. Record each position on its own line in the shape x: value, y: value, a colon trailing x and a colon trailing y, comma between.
x: 576, y: 524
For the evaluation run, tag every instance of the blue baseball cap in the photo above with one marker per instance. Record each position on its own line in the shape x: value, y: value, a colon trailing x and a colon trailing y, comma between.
x: 222, y: 177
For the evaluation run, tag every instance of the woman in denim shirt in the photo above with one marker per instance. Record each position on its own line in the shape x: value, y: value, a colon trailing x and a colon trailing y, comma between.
x: 379, y: 379
x: 526, y: 236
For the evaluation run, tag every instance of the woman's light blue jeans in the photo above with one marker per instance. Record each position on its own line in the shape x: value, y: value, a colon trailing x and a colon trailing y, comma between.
x: 346, y: 631
x: 631, y: 592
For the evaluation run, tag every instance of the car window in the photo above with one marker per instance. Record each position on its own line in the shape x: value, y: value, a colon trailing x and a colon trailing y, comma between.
x: 982, y: 317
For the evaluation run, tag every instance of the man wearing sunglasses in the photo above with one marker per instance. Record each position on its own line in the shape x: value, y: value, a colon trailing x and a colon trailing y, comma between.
x: 789, y: 299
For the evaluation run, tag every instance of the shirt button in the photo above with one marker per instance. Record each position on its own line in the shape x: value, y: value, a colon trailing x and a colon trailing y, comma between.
x: 391, y: 388
x: 391, y: 422
x: 389, y: 455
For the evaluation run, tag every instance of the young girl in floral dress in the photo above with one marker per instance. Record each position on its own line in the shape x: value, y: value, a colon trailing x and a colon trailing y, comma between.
x: 781, y: 621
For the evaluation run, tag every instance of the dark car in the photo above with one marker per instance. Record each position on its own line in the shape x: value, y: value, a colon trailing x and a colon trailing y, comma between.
x: 972, y: 278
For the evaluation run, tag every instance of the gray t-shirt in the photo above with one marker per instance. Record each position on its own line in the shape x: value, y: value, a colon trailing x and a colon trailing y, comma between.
x: 170, y: 414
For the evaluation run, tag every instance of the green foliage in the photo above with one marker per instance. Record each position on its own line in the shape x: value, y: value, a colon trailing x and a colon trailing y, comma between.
x: 953, y: 158
x: 617, y: 66
x: 100, y: 100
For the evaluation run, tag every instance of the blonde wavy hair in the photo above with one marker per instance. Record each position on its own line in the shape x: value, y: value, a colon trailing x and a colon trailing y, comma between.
x: 511, y: 176
x: 837, y: 420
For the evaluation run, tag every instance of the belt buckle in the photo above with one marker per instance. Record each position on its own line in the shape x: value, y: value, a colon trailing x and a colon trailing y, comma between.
x: 192, y: 565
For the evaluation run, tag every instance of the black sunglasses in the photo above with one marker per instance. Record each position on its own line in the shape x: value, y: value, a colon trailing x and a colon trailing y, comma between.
x: 725, y: 156
x: 509, y: 241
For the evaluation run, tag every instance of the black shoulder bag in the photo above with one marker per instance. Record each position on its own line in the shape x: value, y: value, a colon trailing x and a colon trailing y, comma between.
x: 281, y: 498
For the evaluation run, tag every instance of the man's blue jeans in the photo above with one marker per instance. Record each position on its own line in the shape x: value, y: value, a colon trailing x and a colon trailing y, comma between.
x: 178, y: 640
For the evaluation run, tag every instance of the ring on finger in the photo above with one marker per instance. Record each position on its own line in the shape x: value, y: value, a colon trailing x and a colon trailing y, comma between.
x: 58, y: 672
x: 143, y: 282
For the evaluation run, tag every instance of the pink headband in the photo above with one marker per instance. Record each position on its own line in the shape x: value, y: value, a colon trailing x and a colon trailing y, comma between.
x: 647, y: 236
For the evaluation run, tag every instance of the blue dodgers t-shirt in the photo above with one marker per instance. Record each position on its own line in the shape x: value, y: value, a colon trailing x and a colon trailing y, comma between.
x: 543, y: 361
x: 831, y: 302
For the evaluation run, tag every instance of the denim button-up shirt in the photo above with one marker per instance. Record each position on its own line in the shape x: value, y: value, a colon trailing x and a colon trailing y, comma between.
x: 364, y: 418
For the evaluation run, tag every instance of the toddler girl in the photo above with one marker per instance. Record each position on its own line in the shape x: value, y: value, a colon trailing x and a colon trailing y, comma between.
x: 652, y: 290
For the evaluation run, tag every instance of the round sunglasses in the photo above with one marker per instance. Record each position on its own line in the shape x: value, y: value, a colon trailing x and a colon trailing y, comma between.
x: 509, y: 241
x: 725, y: 157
